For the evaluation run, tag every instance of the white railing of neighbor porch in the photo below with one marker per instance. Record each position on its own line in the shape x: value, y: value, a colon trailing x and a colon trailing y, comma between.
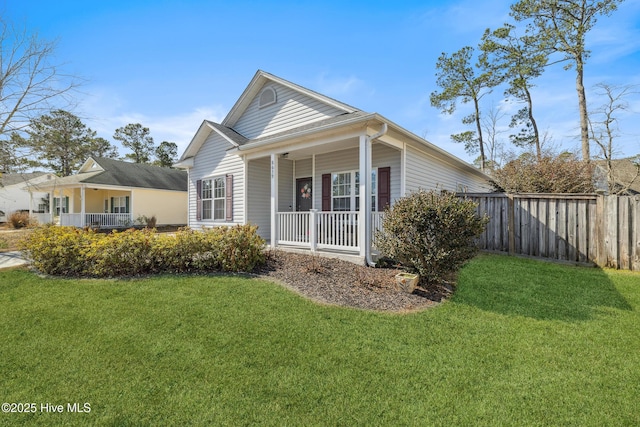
x: 108, y: 220
x: 97, y: 220
x: 73, y: 220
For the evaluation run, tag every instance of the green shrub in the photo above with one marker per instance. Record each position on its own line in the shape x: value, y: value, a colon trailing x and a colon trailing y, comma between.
x: 432, y: 234
x: 71, y: 251
x: 59, y: 250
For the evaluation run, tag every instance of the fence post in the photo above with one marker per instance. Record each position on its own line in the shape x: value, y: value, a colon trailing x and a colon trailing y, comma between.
x: 313, y: 229
x: 511, y: 224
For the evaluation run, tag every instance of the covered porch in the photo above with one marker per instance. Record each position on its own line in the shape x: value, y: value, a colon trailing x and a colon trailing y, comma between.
x: 82, y: 206
x: 324, y: 196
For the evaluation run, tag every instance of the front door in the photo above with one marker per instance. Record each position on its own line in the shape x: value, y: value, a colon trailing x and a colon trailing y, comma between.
x: 303, y: 194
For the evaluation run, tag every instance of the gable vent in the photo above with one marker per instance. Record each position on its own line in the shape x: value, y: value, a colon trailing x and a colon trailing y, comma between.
x: 267, y: 97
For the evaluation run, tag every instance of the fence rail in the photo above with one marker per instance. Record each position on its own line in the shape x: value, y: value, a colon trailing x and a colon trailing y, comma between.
x: 581, y: 228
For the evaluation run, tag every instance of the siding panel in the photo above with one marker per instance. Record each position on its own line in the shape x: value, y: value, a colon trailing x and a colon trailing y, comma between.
x: 426, y: 172
x: 259, y: 196
x: 291, y: 110
x: 213, y: 160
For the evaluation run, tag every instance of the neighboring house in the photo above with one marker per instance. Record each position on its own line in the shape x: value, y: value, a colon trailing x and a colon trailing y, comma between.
x: 310, y: 171
x: 15, y: 195
x: 626, y: 176
x: 110, y: 193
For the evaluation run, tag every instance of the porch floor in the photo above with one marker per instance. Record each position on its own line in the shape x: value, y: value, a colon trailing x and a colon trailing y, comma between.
x: 345, y: 255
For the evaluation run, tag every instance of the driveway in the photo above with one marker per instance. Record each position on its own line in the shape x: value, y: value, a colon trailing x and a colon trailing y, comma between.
x: 11, y: 259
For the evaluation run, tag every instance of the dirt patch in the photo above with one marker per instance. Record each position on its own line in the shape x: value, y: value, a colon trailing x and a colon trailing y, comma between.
x: 9, y: 238
x: 342, y: 283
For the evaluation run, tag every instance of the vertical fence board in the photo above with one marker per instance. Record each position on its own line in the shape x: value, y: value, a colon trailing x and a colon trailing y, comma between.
x: 611, y: 232
x: 624, y: 220
x: 582, y: 230
x: 553, y: 229
x: 635, y: 239
x: 543, y: 231
x: 572, y: 240
x: 517, y: 247
x: 561, y: 236
x: 534, y: 226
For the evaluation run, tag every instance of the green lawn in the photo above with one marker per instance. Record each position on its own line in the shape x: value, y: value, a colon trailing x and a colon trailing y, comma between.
x: 521, y: 343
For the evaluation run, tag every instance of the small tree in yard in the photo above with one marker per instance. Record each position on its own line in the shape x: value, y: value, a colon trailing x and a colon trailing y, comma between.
x: 430, y: 233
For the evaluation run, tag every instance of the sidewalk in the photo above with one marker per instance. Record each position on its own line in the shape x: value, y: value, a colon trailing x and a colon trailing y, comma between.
x: 11, y: 259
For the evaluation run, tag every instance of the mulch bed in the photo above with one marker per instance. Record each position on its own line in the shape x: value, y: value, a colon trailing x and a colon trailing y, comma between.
x: 337, y: 282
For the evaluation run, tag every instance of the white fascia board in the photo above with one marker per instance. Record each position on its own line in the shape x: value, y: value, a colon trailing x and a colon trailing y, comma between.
x: 184, y: 164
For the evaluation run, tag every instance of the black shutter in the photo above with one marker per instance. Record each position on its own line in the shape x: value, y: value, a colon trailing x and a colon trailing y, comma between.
x: 199, y: 199
x: 384, y: 188
x: 229, y: 198
x: 112, y: 205
x: 326, y: 192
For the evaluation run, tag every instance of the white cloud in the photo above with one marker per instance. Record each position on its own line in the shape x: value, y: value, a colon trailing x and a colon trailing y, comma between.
x: 349, y: 89
x: 105, y: 110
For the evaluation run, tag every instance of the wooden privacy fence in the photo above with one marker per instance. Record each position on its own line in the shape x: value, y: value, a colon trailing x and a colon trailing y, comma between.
x: 581, y: 228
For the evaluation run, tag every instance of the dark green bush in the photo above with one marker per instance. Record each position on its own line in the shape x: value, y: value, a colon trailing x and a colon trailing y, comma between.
x: 70, y: 251
x: 432, y: 234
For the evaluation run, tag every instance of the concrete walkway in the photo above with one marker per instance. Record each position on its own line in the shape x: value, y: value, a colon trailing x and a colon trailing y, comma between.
x: 11, y: 259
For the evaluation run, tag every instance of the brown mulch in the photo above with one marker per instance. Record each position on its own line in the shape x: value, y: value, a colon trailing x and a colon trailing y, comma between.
x: 337, y: 282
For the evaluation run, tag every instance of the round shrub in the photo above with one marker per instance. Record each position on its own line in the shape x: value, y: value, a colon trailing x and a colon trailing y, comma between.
x: 430, y: 233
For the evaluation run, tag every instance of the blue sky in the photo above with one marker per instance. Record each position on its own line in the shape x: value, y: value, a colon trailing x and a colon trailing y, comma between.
x: 171, y: 64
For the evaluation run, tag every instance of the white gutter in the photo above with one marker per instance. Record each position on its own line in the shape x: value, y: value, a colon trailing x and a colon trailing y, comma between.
x: 367, y: 219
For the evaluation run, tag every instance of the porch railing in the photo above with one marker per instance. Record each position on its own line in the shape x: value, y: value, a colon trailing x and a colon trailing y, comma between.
x: 319, y: 230
x: 293, y: 227
x: 376, y: 225
x: 98, y: 220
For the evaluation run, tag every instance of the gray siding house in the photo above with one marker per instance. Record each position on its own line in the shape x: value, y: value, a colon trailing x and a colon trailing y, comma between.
x: 310, y: 171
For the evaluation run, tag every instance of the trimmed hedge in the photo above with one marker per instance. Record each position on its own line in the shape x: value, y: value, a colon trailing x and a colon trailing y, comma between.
x: 71, y: 251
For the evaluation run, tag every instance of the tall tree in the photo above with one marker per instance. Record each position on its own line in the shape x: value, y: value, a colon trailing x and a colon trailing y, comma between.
x: 519, y: 59
x: 14, y: 154
x: 604, y: 126
x: 136, y: 138
x: 166, y: 154
x: 462, y: 80
x: 30, y: 81
x: 562, y: 26
x: 100, y: 147
x: 60, y: 141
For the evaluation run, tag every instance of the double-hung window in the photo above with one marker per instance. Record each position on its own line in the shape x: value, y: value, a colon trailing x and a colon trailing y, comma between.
x: 345, y: 190
x: 120, y: 204
x: 213, y: 196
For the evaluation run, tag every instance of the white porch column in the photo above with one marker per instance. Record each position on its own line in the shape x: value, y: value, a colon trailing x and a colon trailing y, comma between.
x: 52, y: 196
x: 82, y: 209
x: 364, y: 220
x: 274, y: 200
x: 313, y: 229
x: 313, y: 182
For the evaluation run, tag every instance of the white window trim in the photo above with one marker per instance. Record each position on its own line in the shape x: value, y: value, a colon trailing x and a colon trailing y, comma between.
x: 120, y: 207
x: 266, y: 104
x: 213, y: 198
x: 355, y: 186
